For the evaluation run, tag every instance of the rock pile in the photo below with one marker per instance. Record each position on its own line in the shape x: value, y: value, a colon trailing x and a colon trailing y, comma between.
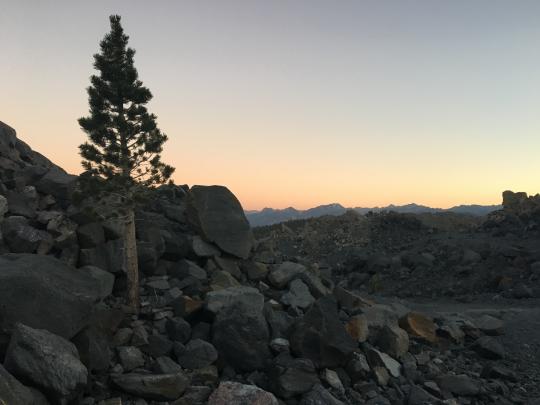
x: 224, y: 319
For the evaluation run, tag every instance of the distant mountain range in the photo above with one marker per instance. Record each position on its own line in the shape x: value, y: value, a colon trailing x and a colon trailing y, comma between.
x: 270, y: 216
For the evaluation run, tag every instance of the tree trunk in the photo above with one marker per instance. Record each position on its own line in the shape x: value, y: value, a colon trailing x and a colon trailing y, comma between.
x: 130, y: 262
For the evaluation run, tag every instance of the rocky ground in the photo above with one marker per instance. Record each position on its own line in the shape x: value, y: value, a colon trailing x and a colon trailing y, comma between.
x: 376, y: 309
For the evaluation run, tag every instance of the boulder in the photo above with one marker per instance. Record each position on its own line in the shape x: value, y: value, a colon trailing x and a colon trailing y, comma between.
x: 230, y: 392
x: 298, y: 295
x: 490, y: 325
x: 178, y: 329
x: 461, y: 385
x: 20, y: 237
x: 489, y: 348
x: 394, y: 341
x: 218, y: 300
x: 240, y: 334
x: 321, y: 337
x: 23, y: 202
x: 107, y: 256
x: 377, y: 358
x: 203, y: 249
x: 218, y: 216
x: 104, y: 280
x: 159, y: 387
x: 57, y: 183
x: 285, y: 273
x: 419, y: 326
x: 47, y: 361
x: 197, y: 354
x: 13, y: 392
x: 290, y: 377
x: 91, y: 235
x: 62, y: 297
x: 130, y: 357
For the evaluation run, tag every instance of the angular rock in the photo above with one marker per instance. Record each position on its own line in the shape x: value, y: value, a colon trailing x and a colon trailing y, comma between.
x: 419, y: 326
x: 62, y: 297
x: 107, y: 256
x: 222, y: 279
x: 377, y: 358
x: 104, y: 280
x: 394, y: 341
x: 490, y: 325
x: 219, y: 217
x: 229, y: 393
x: 255, y: 270
x: 320, y: 336
x: 290, y: 377
x: 178, y: 329
x: 218, y: 300
x: 46, y: 360
x: 350, y: 301
x: 130, y: 357
x: 241, y: 336
x: 23, y: 238
x: 13, y: 392
x: 285, y: 273
x: 24, y: 202
x: 489, y: 348
x: 159, y: 387
x: 197, y: 354
x: 91, y: 235
x: 459, y: 385
x: 298, y: 295
x: 204, y: 249
x: 166, y: 365
x: 57, y: 183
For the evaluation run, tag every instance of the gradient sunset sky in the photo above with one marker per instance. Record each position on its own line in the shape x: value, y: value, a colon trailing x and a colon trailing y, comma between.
x: 300, y: 103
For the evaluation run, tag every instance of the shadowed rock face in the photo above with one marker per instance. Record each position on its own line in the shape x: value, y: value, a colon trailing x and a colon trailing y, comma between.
x: 57, y: 297
x: 219, y: 217
x: 47, y: 361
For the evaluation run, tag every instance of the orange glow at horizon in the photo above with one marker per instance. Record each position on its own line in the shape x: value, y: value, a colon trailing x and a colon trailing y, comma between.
x: 363, y: 104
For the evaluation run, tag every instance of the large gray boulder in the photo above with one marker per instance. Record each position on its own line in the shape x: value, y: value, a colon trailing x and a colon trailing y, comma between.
x: 57, y: 183
x: 13, y: 392
x: 47, y: 361
x: 43, y: 292
x: 241, y: 335
x: 321, y: 337
x: 218, y: 216
x: 21, y: 237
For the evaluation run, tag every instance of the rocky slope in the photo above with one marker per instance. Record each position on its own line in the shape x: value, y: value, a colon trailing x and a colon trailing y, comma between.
x: 226, y: 317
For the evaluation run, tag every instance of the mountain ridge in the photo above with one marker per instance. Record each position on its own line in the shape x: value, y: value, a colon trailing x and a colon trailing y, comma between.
x: 271, y: 216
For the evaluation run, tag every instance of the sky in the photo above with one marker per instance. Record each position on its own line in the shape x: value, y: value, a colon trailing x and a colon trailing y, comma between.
x: 300, y: 103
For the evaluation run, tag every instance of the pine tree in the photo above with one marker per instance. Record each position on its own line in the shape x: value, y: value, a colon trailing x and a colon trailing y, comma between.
x: 122, y: 155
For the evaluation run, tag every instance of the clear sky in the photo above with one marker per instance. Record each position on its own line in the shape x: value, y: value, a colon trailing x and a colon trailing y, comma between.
x: 300, y: 102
